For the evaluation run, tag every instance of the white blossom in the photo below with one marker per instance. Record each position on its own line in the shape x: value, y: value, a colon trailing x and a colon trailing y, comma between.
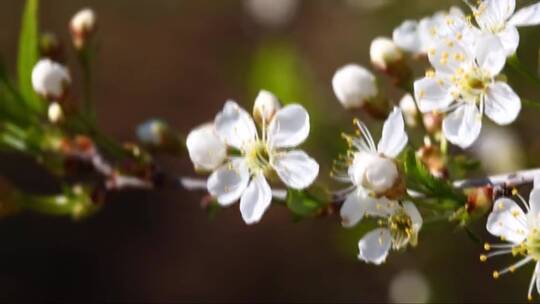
x: 372, y: 170
x: 245, y: 176
x: 400, y: 225
x: 50, y: 79
x: 498, y: 18
x: 464, y: 86
x: 384, y: 53
x: 206, y: 150
x: 354, y: 85
x: 519, y: 227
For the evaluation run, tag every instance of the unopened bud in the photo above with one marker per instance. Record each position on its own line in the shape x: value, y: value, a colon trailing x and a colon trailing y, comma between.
x: 55, y: 113
x: 409, y: 110
x: 354, y: 85
x: 432, y: 158
x: 384, y: 53
x: 266, y: 105
x: 433, y: 122
x: 387, y: 57
x: 206, y: 150
x: 82, y: 26
x: 51, y: 80
x: 152, y: 132
x: 479, y: 200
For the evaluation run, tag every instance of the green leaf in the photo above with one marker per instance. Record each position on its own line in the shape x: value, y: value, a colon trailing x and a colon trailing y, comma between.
x: 307, y: 203
x: 29, y: 55
x: 419, y: 178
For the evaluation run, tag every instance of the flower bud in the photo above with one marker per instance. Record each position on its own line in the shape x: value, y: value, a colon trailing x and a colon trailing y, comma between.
x: 50, y: 79
x: 266, y: 105
x: 380, y: 175
x: 479, y: 200
x: 354, y: 85
x: 384, y: 53
x: 55, y: 113
x: 433, y: 122
x: 206, y: 150
x: 82, y: 25
x: 377, y: 174
x: 409, y: 110
x: 432, y: 158
x: 152, y: 132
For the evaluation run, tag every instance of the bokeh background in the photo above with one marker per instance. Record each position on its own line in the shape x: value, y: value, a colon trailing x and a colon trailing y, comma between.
x: 180, y: 60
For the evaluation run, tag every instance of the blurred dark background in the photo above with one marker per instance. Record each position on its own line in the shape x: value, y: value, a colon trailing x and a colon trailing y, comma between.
x: 180, y: 60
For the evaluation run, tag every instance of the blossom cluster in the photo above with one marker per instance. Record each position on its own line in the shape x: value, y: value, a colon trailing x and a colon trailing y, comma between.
x: 467, y: 54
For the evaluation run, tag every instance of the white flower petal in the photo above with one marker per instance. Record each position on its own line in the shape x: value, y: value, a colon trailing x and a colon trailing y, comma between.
x: 290, y: 127
x: 205, y: 148
x: 235, y: 126
x: 432, y: 95
x: 360, y: 203
x: 463, y: 126
x: 507, y: 220
x: 393, y: 138
x: 296, y: 169
x: 526, y: 16
x: 415, y: 215
x: 536, y: 183
x: 490, y: 54
x: 406, y: 36
x: 448, y: 57
x: 494, y: 12
x: 374, y: 246
x: 502, y: 104
x: 537, y: 273
x: 229, y: 181
x: 255, y: 200
x: 352, y: 210
x: 534, y: 203
x: 510, y: 39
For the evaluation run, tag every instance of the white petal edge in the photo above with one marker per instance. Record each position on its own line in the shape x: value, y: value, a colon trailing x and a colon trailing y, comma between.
x: 394, y: 138
x: 462, y: 127
x: 502, y: 104
x: 507, y: 220
x: 229, y: 181
x: 374, y: 246
x: 490, y: 54
x: 255, y: 200
x: 431, y: 95
x: 534, y: 204
x: 352, y: 211
x: 414, y: 214
x: 527, y: 16
x: 290, y: 127
x: 296, y: 169
x: 235, y: 126
x: 510, y: 39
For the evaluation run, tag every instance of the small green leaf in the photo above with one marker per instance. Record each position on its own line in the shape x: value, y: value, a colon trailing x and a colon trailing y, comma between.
x: 307, y: 203
x: 29, y: 55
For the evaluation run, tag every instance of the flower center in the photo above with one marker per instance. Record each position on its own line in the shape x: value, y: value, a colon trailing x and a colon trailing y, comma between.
x: 258, y: 157
x: 472, y: 83
x: 532, y: 244
x: 401, y: 229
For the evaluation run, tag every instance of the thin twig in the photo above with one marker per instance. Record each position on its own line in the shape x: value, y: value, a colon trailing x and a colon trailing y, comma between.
x: 512, y: 179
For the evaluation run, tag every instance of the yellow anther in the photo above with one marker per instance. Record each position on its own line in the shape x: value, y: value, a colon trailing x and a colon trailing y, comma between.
x: 483, y: 258
x: 496, y: 274
x: 487, y: 247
